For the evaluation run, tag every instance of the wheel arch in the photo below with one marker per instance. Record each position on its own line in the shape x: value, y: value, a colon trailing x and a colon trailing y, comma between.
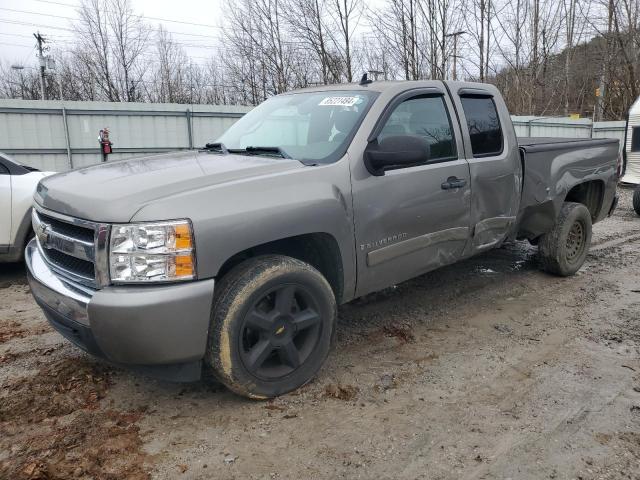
x: 589, y: 193
x: 319, y: 249
x: 23, y: 234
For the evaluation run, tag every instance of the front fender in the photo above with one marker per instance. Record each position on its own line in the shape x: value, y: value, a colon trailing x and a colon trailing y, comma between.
x: 230, y: 218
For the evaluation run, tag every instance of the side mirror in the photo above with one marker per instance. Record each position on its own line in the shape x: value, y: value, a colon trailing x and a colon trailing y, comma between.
x: 396, y: 151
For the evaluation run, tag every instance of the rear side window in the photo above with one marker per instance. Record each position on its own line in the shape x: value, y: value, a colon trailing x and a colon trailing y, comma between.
x: 3, y: 170
x: 635, y: 139
x: 484, y: 125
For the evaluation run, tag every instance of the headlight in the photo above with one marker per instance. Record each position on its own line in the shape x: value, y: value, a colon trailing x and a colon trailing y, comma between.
x: 152, y: 252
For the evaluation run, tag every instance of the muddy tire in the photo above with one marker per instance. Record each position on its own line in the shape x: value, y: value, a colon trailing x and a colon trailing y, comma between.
x: 636, y: 200
x: 272, y: 323
x: 564, y: 249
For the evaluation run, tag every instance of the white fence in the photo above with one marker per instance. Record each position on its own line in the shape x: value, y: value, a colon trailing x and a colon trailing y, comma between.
x: 59, y: 135
x: 526, y: 126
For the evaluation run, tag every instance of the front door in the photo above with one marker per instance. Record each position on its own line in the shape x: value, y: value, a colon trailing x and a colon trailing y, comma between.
x: 414, y: 219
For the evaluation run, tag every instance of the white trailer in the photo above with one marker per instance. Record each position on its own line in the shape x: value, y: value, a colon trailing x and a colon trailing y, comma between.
x: 632, y: 146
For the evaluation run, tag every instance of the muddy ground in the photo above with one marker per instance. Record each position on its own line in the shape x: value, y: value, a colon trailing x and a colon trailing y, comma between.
x: 485, y: 369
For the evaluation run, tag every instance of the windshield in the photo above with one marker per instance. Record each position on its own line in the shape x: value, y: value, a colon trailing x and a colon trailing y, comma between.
x: 10, y: 159
x: 314, y: 126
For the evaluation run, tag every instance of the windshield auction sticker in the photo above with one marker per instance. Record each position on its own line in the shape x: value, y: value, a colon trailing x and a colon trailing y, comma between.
x: 339, y: 101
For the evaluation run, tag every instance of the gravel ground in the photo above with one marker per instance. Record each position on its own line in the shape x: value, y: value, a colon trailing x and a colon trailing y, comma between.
x: 484, y: 369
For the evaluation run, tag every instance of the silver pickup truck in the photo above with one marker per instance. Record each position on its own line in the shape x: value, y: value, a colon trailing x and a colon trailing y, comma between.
x: 233, y: 259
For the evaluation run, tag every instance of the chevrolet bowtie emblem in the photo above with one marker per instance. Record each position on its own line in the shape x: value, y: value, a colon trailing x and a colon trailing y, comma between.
x: 43, y: 234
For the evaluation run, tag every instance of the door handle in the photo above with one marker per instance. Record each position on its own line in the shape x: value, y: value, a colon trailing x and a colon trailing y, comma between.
x: 453, y: 182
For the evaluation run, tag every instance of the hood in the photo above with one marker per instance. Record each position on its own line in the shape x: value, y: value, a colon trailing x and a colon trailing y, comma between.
x: 115, y: 191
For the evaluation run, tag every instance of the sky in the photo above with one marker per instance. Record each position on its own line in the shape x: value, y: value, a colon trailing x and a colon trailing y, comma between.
x: 194, y: 23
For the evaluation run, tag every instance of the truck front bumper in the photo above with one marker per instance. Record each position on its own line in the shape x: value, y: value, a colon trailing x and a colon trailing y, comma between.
x: 160, y: 330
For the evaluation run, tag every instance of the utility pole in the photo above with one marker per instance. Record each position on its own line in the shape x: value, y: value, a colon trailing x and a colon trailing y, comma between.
x: 41, y: 41
x: 598, y: 111
x: 455, y: 36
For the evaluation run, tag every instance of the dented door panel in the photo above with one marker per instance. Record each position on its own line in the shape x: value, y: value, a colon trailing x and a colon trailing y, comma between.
x: 496, y: 178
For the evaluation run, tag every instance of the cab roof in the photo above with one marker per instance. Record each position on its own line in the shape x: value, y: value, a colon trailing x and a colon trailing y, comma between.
x: 382, y: 86
x: 373, y: 86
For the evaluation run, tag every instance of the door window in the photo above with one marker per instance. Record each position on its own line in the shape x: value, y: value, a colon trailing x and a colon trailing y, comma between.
x: 427, y: 117
x: 635, y: 139
x: 484, y: 126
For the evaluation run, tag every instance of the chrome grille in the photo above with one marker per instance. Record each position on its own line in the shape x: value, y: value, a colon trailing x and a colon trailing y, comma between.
x: 84, y: 268
x: 74, y: 231
x: 73, y: 248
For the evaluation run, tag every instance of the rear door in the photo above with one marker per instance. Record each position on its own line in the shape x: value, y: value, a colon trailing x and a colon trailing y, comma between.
x: 5, y: 208
x: 410, y: 220
x: 494, y: 163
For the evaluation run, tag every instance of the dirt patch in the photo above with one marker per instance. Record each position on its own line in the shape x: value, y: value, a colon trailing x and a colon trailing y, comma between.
x: 484, y: 369
x: 39, y: 352
x: 58, y: 389
x: 103, y: 445
x: 53, y: 425
x: 12, y: 330
x: 341, y: 392
x: 400, y: 331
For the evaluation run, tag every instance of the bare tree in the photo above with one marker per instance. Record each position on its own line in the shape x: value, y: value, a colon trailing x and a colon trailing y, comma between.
x: 626, y: 38
x: 112, y: 42
x: 171, y: 67
x: 130, y: 39
x: 397, y: 26
x: 477, y: 22
x: 256, y: 33
x: 308, y: 22
x: 546, y: 56
x: 346, y: 14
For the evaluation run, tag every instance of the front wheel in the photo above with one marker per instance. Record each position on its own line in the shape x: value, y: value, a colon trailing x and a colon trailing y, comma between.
x: 564, y: 249
x: 636, y: 200
x: 272, y: 323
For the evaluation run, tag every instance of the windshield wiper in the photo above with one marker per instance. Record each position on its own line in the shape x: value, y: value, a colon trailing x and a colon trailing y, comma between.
x: 261, y: 151
x: 216, y: 147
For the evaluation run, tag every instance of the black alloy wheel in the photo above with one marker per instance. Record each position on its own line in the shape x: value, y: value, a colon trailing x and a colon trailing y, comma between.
x: 279, y: 332
x: 272, y: 323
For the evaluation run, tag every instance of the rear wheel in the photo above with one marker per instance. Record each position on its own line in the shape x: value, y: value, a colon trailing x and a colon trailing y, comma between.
x: 564, y: 249
x: 272, y: 323
x: 636, y: 200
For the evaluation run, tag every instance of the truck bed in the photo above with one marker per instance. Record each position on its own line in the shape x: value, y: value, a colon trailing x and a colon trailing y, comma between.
x: 552, y: 143
x: 550, y: 167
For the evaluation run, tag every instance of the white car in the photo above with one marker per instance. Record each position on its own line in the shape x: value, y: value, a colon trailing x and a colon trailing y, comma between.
x: 17, y: 185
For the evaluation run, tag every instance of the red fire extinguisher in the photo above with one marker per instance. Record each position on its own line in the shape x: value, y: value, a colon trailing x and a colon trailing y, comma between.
x: 105, y: 143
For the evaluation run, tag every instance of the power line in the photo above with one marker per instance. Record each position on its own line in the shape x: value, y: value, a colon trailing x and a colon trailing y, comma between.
x: 16, y: 35
x: 43, y: 26
x: 77, y: 19
x: 29, y: 24
x: 184, y: 45
x: 139, y: 16
x: 16, y: 45
x: 36, y: 13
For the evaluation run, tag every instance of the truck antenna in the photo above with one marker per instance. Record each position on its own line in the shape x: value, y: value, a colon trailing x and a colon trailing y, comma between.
x: 365, y: 80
